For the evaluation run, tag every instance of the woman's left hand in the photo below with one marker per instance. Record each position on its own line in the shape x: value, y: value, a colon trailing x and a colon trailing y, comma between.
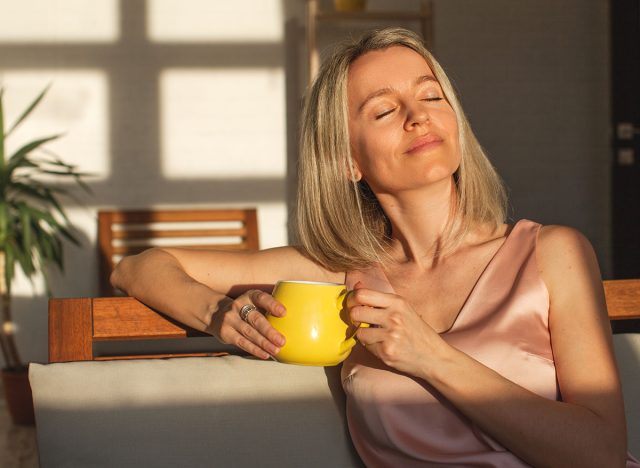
x: 398, y: 335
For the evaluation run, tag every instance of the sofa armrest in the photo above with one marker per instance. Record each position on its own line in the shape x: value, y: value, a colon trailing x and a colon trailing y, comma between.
x: 221, y: 411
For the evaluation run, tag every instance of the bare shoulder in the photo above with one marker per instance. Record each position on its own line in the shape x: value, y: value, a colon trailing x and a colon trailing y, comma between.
x: 562, y: 248
x: 568, y: 266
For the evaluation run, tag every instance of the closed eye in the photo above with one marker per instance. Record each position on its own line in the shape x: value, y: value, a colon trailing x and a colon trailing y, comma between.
x: 433, y: 99
x: 385, y: 113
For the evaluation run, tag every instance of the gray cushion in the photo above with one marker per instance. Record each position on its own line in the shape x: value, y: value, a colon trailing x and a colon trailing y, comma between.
x: 223, y: 411
x: 627, y: 347
x: 226, y: 411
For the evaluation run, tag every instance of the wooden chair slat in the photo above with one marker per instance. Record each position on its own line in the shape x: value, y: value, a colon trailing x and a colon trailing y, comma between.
x: 133, y: 225
x: 136, y: 249
x: 158, y: 216
x: 176, y: 233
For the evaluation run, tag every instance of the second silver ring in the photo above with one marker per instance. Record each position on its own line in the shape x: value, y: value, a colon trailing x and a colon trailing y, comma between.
x: 245, y: 310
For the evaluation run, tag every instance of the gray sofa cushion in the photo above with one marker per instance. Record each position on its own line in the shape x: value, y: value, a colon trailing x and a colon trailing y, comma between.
x: 224, y: 412
x: 627, y: 347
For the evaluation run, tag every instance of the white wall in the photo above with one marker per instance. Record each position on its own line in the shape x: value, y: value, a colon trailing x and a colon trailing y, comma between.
x: 179, y: 103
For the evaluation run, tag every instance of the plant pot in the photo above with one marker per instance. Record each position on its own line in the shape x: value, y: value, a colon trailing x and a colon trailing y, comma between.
x: 17, y: 393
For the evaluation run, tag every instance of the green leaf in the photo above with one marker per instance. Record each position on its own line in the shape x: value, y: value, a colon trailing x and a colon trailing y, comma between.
x: 27, y: 148
x: 33, y: 191
x: 69, y: 236
x: 28, y: 110
x: 22, y: 163
x: 58, y: 207
x: 25, y: 224
x: 55, y: 226
x: 25, y: 260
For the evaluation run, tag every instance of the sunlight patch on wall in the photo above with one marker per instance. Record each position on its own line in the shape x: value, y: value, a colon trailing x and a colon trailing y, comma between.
x: 272, y: 224
x: 214, y: 21
x: 59, y: 21
x: 223, y: 123
x: 75, y: 106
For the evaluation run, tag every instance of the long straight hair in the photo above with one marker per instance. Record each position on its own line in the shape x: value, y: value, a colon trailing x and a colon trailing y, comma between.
x: 339, y: 222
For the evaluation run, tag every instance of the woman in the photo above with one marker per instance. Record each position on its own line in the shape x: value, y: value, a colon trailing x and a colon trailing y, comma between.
x: 490, y: 343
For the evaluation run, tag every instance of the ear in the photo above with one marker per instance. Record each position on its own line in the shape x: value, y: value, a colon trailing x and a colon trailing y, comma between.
x: 353, y: 172
x: 356, y: 174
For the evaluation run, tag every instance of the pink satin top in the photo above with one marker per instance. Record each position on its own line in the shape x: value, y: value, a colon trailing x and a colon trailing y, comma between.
x: 396, y: 420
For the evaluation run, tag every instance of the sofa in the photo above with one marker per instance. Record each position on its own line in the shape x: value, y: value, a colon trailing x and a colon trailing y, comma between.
x: 227, y: 411
x: 95, y: 409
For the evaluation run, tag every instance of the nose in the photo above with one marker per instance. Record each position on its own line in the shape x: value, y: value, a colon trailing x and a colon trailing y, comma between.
x: 417, y: 115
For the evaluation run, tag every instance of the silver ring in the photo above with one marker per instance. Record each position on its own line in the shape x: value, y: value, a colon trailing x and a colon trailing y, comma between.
x: 245, y: 310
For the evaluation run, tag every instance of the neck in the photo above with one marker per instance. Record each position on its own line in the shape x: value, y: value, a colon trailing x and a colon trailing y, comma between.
x: 418, y: 220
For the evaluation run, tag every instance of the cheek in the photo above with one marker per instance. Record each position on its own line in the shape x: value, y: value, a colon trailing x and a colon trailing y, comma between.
x: 455, y: 137
x: 364, y: 147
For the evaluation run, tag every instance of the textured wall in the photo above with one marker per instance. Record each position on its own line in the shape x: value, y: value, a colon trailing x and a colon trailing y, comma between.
x: 534, y: 80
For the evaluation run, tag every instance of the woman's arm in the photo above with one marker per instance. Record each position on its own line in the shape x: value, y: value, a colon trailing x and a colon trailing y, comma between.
x: 587, y: 428
x: 205, y: 289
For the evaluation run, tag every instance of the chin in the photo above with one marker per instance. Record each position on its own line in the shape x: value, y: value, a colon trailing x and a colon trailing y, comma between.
x: 439, y: 172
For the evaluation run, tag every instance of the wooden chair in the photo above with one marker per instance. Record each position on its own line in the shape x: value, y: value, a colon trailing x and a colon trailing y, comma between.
x: 128, y: 232
x: 76, y: 324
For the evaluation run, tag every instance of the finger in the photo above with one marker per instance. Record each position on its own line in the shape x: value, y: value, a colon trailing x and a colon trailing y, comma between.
x: 347, y: 301
x: 369, y: 297
x: 365, y: 314
x: 370, y: 336
x: 251, y: 340
x: 257, y: 323
x: 260, y: 323
x: 249, y: 346
x: 267, y: 303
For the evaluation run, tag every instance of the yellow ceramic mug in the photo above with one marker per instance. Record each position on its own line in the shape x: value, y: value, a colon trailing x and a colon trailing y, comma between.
x: 317, y: 327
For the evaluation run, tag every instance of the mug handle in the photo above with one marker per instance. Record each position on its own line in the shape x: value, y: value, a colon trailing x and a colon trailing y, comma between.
x: 350, y: 340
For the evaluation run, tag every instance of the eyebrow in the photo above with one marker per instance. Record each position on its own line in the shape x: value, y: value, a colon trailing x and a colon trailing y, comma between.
x: 388, y: 90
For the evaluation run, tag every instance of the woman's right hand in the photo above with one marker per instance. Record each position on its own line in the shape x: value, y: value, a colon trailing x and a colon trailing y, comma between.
x: 255, y: 335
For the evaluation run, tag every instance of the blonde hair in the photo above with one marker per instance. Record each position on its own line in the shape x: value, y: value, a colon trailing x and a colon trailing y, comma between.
x: 339, y: 222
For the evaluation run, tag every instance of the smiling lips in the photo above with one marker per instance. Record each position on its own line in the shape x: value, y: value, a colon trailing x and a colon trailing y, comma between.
x: 426, y: 142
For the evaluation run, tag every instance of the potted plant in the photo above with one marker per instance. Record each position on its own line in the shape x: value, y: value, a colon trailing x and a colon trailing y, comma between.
x: 33, y: 225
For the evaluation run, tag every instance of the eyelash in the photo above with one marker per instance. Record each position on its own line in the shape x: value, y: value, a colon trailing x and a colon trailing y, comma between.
x: 434, y: 99
x: 379, y: 116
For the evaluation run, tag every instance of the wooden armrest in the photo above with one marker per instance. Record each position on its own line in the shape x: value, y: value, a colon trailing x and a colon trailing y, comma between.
x: 623, y: 298
x: 75, y: 324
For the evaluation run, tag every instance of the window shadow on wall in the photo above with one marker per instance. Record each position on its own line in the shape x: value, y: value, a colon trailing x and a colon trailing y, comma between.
x: 132, y: 65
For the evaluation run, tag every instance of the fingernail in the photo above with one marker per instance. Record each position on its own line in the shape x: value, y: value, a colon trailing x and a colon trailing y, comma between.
x: 280, y: 340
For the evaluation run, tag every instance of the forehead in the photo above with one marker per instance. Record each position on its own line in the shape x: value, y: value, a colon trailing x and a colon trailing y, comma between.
x: 385, y: 68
